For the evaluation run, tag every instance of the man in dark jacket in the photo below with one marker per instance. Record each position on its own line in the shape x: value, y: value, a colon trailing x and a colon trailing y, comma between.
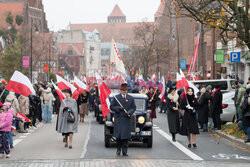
x: 124, y: 106
x: 216, y: 107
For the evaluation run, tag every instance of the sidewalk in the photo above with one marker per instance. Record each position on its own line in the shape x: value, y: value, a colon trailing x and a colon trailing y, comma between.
x: 120, y: 162
x: 232, y: 139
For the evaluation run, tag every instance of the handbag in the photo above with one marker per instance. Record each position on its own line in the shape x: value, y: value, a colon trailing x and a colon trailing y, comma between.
x: 71, y: 116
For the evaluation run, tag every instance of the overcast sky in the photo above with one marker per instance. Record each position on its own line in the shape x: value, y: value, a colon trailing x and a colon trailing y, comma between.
x: 60, y: 13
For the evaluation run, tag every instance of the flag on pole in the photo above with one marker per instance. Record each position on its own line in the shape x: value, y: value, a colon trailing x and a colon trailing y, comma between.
x: 63, y: 84
x: 59, y: 92
x: 195, y: 54
x: 162, y: 90
x: 184, y: 80
x: 80, y: 85
x: 104, y: 95
x: 116, y: 59
x: 194, y: 78
x: 141, y: 81
x: 20, y: 84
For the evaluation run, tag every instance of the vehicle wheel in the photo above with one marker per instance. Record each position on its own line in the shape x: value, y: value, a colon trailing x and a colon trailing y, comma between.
x: 107, y: 139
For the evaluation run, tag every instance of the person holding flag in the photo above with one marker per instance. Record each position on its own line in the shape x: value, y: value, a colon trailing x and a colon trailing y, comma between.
x: 66, y: 127
x: 124, y: 106
x: 152, y: 98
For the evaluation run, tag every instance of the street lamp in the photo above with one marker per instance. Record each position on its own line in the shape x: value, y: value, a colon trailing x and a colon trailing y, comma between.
x: 31, y: 28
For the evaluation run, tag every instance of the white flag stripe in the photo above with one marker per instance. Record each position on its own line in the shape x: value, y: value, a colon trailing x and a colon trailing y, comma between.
x: 80, y: 83
x: 19, y: 77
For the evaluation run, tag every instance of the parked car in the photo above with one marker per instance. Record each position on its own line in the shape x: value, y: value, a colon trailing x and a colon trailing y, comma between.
x: 228, y: 108
x: 226, y: 85
x: 142, y: 127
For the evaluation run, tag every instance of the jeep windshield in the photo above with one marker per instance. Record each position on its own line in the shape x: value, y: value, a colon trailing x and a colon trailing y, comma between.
x: 140, y: 104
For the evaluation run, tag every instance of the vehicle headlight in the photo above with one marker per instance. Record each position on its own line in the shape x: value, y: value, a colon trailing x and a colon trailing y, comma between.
x: 141, y: 119
x: 113, y: 119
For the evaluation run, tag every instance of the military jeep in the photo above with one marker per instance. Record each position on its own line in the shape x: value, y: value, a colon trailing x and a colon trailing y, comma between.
x: 141, y: 126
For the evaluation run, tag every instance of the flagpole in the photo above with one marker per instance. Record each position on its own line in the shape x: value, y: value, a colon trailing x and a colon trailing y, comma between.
x: 2, y: 93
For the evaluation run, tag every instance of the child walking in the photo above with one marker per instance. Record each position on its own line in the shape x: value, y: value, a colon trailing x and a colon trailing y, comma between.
x: 6, y: 118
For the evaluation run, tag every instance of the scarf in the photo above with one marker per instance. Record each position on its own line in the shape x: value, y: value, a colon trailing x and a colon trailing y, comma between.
x: 174, y: 98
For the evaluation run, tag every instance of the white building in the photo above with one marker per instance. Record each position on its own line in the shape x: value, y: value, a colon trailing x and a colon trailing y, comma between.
x: 92, y: 47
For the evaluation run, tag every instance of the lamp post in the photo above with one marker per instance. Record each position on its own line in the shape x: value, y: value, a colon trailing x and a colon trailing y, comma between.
x: 31, y: 39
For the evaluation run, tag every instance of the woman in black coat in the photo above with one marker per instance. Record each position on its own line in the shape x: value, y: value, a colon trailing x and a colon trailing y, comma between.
x: 189, y: 126
x: 203, y: 109
x: 173, y: 113
x: 152, y: 98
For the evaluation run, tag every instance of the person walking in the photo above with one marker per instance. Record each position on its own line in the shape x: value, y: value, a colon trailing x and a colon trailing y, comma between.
x: 189, y: 125
x: 245, y: 107
x: 64, y: 126
x: 83, y: 107
x: 203, y: 109
x: 48, y: 99
x: 124, y: 106
x: 209, y: 89
x: 240, y: 94
x: 216, y: 107
x: 152, y: 98
x: 173, y: 113
x: 6, y: 118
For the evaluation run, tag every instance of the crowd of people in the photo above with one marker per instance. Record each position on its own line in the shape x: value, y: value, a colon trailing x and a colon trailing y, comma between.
x: 186, y: 111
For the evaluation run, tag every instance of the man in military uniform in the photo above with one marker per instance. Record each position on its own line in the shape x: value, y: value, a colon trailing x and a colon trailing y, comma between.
x: 124, y: 106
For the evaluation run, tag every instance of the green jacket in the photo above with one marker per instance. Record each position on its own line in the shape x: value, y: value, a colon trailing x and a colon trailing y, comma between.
x: 241, y: 93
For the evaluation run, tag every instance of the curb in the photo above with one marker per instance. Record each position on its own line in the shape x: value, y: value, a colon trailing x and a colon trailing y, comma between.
x: 240, y: 142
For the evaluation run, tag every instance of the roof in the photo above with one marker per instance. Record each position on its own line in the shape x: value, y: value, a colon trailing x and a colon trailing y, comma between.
x: 78, y: 47
x: 16, y: 8
x: 160, y: 10
x: 120, y: 32
x: 116, y: 11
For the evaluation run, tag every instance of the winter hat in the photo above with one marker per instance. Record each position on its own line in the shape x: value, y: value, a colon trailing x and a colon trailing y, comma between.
x: 124, y: 86
x: 241, y: 81
x: 209, y: 87
x: 7, y: 104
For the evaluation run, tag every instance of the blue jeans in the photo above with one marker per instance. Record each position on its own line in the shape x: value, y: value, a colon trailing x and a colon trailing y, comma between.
x: 47, y: 114
x: 239, y: 111
x: 210, y: 123
x: 248, y: 132
x: 204, y: 126
x: 11, y: 137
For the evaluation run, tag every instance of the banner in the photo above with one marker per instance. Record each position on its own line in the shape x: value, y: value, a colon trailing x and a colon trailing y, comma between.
x: 219, y: 56
x: 26, y: 61
x: 45, y: 67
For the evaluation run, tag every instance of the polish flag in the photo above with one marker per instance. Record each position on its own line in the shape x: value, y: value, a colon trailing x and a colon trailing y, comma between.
x: 84, y: 79
x: 23, y: 117
x: 141, y: 81
x: 153, y: 77
x: 20, y: 84
x: 194, y: 77
x: 178, y: 81
x: 59, y: 92
x: 104, y: 95
x: 184, y: 80
x: 196, y: 90
x: 13, y: 128
x: 162, y: 90
x: 63, y: 84
x: 80, y: 85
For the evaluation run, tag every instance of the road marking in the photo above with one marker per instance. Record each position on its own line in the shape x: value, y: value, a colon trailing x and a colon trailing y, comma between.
x: 87, y: 139
x: 179, y: 145
x: 228, y: 156
x: 15, y: 142
x: 22, y: 137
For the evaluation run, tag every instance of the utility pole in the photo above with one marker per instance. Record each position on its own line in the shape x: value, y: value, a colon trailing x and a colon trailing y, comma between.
x: 213, y: 54
x: 202, y: 55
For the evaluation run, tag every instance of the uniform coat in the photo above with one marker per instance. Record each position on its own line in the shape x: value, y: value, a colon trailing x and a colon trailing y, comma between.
x: 173, y: 115
x: 63, y: 125
x: 203, y: 109
x: 152, y: 103
x: 216, y: 105
x: 24, y: 105
x: 189, y: 122
x: 122, y: 124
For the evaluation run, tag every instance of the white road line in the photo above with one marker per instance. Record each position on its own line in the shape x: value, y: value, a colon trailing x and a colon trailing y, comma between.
x: 22, y: 137
x: 179, y: 145
x: 87, y: 139
x: 15, y: 142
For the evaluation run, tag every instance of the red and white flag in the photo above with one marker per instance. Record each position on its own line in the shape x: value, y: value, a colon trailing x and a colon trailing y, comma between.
x: 116, y: 59
x: 23, y: 117
x: 194, y: 78
x: 104, y: 95
x: 63, y: 84
x: 162, y: 90
x: 59, y: 92
x: 80, y: 85
x: 153, y: 77
x: 141, y: 81
x: 20, y: 84
x: 181, y: 81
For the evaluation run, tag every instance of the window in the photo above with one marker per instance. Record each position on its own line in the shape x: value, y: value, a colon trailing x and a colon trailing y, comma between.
x: 140, y: 104
x: 70, y: 53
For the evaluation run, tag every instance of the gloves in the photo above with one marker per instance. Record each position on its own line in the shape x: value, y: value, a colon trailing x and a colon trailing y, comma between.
x: 121, y: 109
x: 189, y: 107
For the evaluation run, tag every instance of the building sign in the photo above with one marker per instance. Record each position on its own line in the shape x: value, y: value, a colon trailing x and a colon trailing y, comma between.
x: 219, y: 56
x: 26, y: 61
x: 45, y: 67
x: 235, y: 57
x: 183, y: 64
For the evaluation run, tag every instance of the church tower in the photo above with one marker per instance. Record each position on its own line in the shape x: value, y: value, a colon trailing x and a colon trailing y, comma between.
x: 116, y: 16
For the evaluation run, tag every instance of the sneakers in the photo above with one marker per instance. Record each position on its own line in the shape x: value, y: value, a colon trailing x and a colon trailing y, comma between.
x: 8, y: 156
x: 11, y: 146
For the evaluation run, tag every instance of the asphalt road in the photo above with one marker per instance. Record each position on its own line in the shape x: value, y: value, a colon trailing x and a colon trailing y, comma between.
x: 46, y: 144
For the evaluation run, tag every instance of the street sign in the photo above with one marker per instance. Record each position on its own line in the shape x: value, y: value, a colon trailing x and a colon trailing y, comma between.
x: 183, y: 64
x: 26, y: 61
x: 219, y: 56
x: 45, y: 67
x: 235, y: 57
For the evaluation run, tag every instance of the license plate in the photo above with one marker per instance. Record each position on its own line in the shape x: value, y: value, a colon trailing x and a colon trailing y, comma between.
x: 145, y: 133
